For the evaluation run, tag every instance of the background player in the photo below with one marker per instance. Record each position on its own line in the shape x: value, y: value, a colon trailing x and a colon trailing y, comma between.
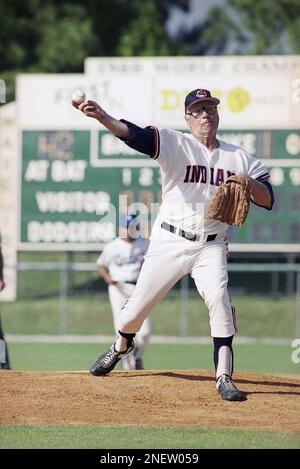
x: 119, y: 265
x: 183, y: 240
x: 5, y: 365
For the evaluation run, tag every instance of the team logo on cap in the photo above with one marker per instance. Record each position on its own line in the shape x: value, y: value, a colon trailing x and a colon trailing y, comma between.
x: 201, y: 93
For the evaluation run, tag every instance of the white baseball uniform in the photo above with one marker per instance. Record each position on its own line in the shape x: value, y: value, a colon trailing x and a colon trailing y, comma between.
x: 123, y: 260
x: 191, y: 175
x: 183, y: 240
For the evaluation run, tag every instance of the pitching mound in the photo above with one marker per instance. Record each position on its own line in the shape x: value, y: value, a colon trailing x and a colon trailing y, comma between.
x: 150, y: 398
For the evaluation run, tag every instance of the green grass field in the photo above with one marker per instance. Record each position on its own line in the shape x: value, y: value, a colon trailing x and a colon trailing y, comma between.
x: 257, y: 316
x: 136, y: 438
x: 261, y: 358
x: 37, y: 308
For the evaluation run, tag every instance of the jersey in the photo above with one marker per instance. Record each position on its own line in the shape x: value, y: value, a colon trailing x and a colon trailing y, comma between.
x: 191, y: 174
x: 123, y: 259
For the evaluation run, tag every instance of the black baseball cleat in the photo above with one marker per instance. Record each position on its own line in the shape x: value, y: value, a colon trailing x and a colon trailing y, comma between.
x: 227, y: 389
x: 108, y: 360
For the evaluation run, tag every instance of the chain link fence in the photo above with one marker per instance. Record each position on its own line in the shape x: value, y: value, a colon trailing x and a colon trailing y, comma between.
x: 70, y: 298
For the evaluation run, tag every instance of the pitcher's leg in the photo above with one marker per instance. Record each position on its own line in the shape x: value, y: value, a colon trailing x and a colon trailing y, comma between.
x: 158, y: 275
x: 211, y: 278
x: 223, y: 356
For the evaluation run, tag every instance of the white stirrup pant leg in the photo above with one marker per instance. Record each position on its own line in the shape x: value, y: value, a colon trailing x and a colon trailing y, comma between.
x: 211, y: 278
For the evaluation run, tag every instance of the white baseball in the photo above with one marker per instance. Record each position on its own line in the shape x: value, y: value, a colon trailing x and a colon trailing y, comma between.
x: 78, y: 96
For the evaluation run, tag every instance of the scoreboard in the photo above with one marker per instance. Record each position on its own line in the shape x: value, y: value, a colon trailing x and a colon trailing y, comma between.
x: 75, y: 182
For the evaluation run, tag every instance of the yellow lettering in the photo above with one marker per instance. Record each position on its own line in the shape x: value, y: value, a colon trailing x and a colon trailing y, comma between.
x: 171, y: 99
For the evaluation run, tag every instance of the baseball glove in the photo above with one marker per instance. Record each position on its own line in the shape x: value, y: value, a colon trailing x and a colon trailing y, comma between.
x: 232, y: 201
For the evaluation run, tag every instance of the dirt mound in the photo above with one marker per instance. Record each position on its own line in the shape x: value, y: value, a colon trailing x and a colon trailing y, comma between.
x: 150, y: 398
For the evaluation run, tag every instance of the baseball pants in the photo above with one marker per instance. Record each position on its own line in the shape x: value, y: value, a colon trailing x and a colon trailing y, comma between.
x: 168, y: 259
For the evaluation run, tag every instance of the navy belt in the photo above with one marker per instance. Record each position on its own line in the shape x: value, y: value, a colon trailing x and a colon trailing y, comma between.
x: 184, y: 234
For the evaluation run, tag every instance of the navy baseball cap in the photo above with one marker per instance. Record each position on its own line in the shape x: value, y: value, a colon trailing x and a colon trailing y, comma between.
x: 125, y: 219
x: 199, y: 95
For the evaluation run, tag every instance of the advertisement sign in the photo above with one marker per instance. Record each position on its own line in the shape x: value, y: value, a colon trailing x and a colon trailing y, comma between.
x: 255, y: 92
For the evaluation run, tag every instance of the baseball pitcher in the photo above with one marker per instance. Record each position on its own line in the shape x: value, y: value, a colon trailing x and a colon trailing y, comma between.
x: 189, y: 235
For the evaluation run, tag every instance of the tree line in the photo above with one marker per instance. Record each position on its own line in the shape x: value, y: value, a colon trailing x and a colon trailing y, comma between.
x: 55, y: 36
